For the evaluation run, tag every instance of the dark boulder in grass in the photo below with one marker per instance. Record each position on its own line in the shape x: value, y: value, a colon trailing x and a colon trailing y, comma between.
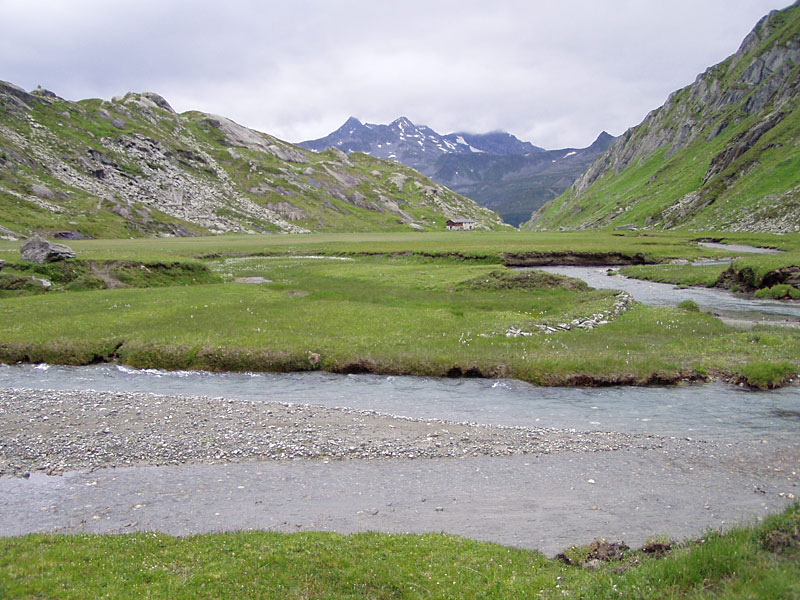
x: 40, y: 251
x: 2, y: 264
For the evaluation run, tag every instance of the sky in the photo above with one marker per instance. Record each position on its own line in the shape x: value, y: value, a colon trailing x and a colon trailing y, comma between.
x: 555, y: 73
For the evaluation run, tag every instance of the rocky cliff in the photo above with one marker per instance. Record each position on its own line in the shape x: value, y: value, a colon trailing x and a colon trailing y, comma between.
x: 133, y: 167
x: 721, y: 153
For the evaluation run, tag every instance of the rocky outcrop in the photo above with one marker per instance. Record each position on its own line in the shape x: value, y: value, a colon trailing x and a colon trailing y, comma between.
x: 39, y: 250
x: 740, y: 144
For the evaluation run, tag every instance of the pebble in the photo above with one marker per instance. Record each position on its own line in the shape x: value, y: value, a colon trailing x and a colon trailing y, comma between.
x: 622, y: 303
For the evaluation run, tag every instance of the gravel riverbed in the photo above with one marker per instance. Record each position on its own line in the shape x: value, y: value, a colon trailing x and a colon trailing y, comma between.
x: 56, y: 431
x: 115, y: 462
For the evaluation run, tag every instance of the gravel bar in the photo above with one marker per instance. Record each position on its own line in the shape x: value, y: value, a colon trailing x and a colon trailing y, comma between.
x: 56, y: 431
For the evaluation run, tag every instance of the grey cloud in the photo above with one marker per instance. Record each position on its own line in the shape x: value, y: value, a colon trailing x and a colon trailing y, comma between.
x: 553, y: 73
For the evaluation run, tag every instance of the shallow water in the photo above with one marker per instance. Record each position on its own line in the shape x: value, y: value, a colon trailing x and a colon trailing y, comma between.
x: 666, y: 294
x: 743, y: 467
x: 739, y: 248
x: 715, y: 411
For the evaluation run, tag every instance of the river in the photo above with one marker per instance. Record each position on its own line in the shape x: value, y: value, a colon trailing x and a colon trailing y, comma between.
x: 742, y: 306
x: 729, y: 455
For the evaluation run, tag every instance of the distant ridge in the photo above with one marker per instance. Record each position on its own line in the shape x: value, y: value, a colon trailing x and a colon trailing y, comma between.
x: 416, y: 146
x: 495, y: 169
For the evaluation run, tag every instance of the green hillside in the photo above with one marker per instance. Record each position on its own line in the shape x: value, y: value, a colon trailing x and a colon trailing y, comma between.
x: 133, y: 167
x: 722, y: 153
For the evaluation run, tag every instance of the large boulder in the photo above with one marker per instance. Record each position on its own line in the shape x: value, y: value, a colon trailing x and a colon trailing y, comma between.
x: 39, y: 250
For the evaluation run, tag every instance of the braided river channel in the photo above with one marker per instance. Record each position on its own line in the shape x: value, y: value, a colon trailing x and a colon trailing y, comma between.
x: 620, y: 463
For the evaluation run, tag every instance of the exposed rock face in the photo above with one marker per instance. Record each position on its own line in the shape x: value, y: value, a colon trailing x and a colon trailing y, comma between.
x: 7, y: 234
x: 39, y: 250
x: 728, y: 130
x: 43, y: 192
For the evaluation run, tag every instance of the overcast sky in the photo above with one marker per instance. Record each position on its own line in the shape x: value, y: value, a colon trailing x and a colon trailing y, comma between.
x: 555, y: 73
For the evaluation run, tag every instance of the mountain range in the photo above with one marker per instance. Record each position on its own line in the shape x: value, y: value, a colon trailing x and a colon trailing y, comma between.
x: 132, y: 166
x: 495, y: 169
x: 722, y: 153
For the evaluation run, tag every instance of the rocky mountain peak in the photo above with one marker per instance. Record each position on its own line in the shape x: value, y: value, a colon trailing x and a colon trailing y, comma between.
x: 496, y: 169
x: 146, y: 100
x: 604, y: 140
x: 351, y: 126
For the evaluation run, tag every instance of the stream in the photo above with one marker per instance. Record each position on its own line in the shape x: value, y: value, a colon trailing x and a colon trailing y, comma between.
x: 717, y: 410
x: 742, y: 306
x: 729, y: 456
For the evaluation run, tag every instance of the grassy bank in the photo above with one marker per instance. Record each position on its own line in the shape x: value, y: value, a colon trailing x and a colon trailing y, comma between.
x: 680, y: 275
x: 22, y: 278
x: 382, y: 304
x: 385, y: 315
x: 751, y: 562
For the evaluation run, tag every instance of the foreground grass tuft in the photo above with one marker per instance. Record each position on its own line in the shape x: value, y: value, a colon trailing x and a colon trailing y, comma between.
x: 766, y: 374
x: 750, y: 562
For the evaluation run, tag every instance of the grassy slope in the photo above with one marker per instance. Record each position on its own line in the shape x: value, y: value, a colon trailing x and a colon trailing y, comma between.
x: 69, y: 131
x: 645, y: 188
x: 759, y: 562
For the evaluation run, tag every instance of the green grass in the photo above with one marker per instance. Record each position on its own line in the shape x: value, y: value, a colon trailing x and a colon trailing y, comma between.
x: 676, y: 274
x: 492, y: 246
x: 757, y: 562
x: 767, y: 374
x: 393, y: 310
x: 779, y: 292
